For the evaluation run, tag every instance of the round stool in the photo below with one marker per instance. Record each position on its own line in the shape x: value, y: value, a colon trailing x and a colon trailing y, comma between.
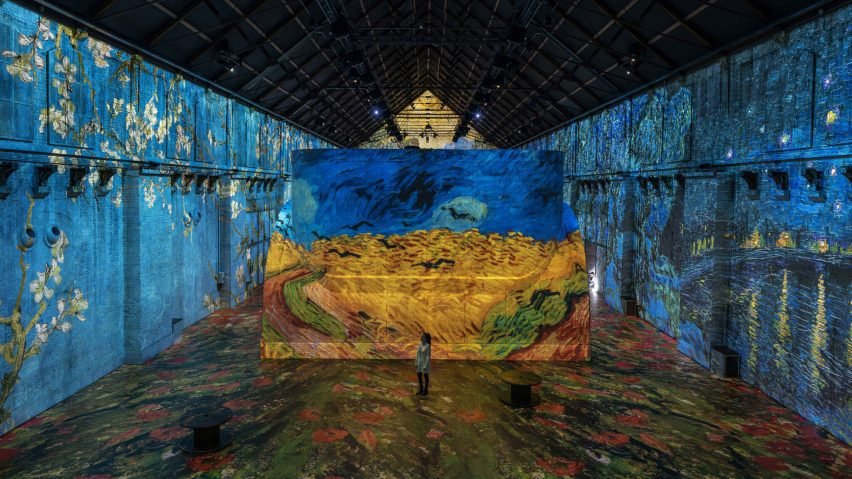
x: 520, y: 389
x: 207, y: 435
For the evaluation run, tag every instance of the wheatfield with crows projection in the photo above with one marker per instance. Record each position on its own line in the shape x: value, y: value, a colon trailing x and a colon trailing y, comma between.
x: 475, y: 247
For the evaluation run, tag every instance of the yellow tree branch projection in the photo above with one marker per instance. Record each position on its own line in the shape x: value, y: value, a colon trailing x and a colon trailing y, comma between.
x: 16, y: 350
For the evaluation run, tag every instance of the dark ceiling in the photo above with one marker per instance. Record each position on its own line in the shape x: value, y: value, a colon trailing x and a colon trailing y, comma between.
x: 526, y: 67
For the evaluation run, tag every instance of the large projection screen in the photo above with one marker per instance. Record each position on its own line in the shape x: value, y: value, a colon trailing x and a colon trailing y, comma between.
x: 478, y: 248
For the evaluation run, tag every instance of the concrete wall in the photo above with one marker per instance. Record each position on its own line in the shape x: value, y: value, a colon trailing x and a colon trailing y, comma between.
x: 179, y: 229
x: 677, y: 189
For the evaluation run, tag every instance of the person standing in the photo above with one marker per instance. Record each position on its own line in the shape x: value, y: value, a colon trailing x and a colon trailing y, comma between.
x: 424, y: 354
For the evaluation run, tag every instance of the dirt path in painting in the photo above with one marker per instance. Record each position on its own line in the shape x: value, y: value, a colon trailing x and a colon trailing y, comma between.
x: 302, y: 337
x: 279, y: 315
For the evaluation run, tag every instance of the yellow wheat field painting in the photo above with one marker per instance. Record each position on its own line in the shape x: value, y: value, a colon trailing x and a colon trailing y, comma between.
x: 491, y: 268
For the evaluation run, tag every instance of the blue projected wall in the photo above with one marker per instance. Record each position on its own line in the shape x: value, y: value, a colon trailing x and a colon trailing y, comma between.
x: 132, y: 204
x: 734, y: 226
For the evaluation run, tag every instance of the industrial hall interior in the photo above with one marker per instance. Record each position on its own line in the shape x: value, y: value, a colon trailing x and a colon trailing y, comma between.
x: 425, y: 239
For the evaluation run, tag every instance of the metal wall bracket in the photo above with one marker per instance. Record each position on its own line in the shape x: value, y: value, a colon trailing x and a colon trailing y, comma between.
x: 75, y: 182
x: 816, y: 188
x: 6, y: 170
x: 103, y: 187
x: 752, y: 181
x: 782, y: 184
x: 42, y: 175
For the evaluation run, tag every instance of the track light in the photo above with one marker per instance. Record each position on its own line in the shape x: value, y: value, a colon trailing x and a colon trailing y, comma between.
x: 632, y: 60
x: 228, y: 59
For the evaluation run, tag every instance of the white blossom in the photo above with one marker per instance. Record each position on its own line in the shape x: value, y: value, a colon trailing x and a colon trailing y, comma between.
x: 241, y: 275
x: 100, y: 52
x: 150, y: 195
x: 44, y: 30
x: 211, y: 304
x: 77, y: 305
x: 236, y: 208
x: 117, y: 106
x: 39, y: 287
x: 41, y: 333
x: 58, y: 250
x: 57, y: 159
x: 25, y: 40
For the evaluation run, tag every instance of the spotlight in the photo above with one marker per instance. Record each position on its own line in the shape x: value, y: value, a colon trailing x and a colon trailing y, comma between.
x: 477, y: 115
x: 376, y: 112
x: 228, y: 59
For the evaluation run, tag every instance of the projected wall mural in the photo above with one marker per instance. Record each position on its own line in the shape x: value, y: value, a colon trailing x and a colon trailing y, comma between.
x: 475, y: 247
x: 79, y: 119
x: 726, y: 207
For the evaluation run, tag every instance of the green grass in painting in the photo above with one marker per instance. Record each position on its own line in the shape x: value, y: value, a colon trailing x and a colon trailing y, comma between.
x: 534, y: 308
x: 269, y: 334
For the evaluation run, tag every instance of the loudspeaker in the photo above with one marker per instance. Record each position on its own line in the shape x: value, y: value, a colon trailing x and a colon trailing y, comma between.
x: 725, y: 362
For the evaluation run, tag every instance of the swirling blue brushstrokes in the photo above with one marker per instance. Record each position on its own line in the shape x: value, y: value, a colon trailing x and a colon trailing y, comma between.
x: 389, y: 192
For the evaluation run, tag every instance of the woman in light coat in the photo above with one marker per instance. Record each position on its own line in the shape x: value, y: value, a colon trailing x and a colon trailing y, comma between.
x: 424, y: 354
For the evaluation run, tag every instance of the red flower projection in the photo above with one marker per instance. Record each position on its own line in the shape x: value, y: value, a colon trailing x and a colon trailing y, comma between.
x: 474, y: 415
x: 633, y: 417
x: 9, y: 453
x: 261, y: 382
x: 560, y: 466
x: 124, y: 436
x: 367, y: 438
x: 369, y: 417
x: 309, y: 414
x: 654, y: 442
x: 209, y: 462
x: 151, y: 412
x: 552, y: 408
x: 168, y: 434
x: 611, y: 438
x: 321, y: 436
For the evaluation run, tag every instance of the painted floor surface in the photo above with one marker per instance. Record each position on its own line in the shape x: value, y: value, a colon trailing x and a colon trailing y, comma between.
x: 638, y: 409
